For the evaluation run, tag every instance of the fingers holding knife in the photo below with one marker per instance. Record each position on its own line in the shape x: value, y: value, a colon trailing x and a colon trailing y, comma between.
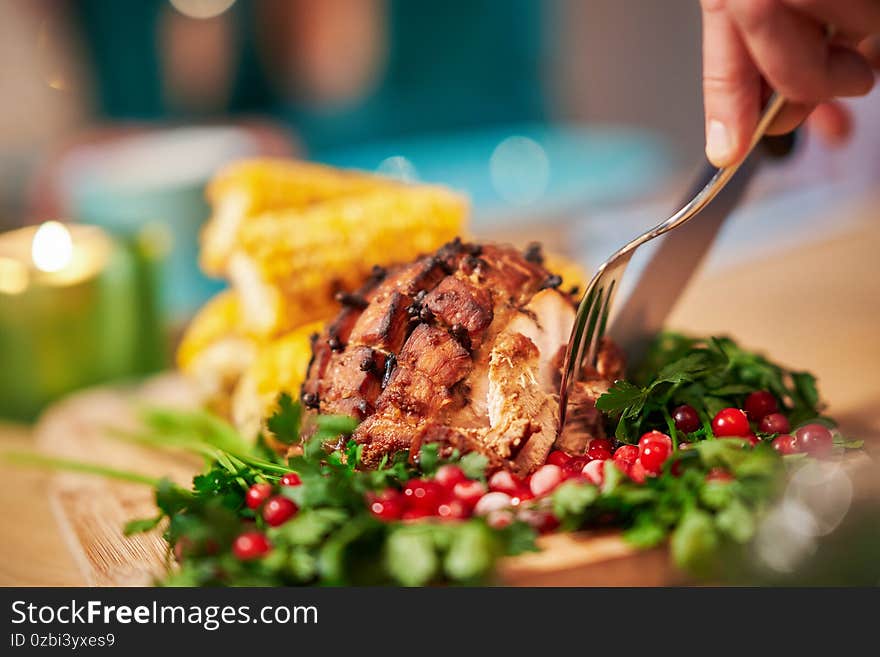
x: 749, y: 45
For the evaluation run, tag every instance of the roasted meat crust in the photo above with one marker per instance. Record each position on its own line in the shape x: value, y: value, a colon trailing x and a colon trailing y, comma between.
x: 449, y: 349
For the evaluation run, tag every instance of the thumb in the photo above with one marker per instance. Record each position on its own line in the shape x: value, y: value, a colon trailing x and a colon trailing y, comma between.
x: 731, y: 87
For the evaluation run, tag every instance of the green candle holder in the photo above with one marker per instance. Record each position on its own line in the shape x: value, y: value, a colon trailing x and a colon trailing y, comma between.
x: 62, y: 331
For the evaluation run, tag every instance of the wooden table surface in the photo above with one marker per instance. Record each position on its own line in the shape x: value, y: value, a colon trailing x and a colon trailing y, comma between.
x: 817, y: 308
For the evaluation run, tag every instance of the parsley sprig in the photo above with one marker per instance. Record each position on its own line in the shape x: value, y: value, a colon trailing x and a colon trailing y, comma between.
x: 708, y: 374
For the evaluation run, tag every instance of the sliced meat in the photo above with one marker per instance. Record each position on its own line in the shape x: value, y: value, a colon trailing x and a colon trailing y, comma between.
x: 583, y: 422
x: 522, y: 414
x: 461, y: 347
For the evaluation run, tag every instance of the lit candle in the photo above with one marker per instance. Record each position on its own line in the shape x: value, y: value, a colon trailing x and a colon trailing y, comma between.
x: 71, y: 313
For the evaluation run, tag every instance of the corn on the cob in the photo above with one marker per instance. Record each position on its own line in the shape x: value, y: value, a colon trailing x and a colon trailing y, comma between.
x: 291, y: 262
x: 279, y: 366
x: 250, y: 187
x: 217, y: 319
x: 214, y: 353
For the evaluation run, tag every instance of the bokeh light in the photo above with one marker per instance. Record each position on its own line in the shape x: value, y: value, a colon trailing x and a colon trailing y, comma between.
x: 398, y: 168
x: 816, y: 500
x: 201, y: 8
x: 520, y: 170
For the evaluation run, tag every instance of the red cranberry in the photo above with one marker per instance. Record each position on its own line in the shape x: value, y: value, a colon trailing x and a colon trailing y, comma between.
x: 815, y: 439
x: 626, y: 455
x: 558, y: 457
x: 449, y: 475
x: 719, y: 475
x: 654, y: 448
x: 469, y: 492
x: 730, y: 422
x: 415, y: 514
x: 599, y: 452
x: 388, y: 505
x: 785, y: 444
x: 505, y: 482
x: 686, y: 418
x: 545, y: 479
x: 759, y: 404
x: 257, y: 494
x: 774, y: 423
x: 604, y: 443
x: 453, y: 510
x: 575, y: 466
x: 753, y: 439
x: 250, y: 545
x: 278, y: 510
x: 423, y: 495
x: 291, y: 479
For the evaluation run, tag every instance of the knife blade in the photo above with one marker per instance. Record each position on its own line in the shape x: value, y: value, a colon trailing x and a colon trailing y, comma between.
x: 673, y: 263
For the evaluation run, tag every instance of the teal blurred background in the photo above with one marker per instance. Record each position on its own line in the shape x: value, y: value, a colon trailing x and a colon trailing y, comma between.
x: 572, y: 121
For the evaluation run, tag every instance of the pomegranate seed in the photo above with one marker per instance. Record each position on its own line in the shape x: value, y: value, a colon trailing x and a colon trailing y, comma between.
x: 545, y: 479
x: 449, y: 475
x: 626, y: 455
x: 469, y: 492
x: 594, y: 471
x: 719, y: 475
x: 637, y: 472
x: 291, y: 479
x: 654, y: 448
x: 499, y: 519
x: 785, y: 444
x: 542, y: 521
x: 453, y: 510
x: 278, y: 510
x: 759, y: 404
x: 523, y: 494
x: 575, y: 466
x: 730, y: 422
x: 686, y: 418
x: 558, y: 457
x: 774, y: 423
x: 257, y: 494
x: 250, y: 545
x: 492, y: 501
x: 504, y: 481
x: 423, y: 495
x: 815, y: 439
x: 388, y: 505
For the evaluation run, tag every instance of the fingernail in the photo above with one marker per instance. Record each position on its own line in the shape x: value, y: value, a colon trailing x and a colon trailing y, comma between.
x: 718, y: 143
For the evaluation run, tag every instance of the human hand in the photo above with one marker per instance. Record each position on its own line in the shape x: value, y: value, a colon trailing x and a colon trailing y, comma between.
x: 753, y: 46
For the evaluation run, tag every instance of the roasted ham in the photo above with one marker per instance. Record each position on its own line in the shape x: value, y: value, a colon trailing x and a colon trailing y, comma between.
x: 462, y: 347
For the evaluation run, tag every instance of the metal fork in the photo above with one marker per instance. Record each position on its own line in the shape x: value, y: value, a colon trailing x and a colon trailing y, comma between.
x: 592, y: 315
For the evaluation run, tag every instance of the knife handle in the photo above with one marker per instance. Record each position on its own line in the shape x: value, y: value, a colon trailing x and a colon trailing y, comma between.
x: 777, y: 147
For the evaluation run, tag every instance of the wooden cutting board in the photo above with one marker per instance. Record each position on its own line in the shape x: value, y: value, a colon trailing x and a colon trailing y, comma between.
x: 91, y: 511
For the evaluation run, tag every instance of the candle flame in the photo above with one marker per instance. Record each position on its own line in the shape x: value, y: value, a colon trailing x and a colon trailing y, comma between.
x: 52, y: 248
